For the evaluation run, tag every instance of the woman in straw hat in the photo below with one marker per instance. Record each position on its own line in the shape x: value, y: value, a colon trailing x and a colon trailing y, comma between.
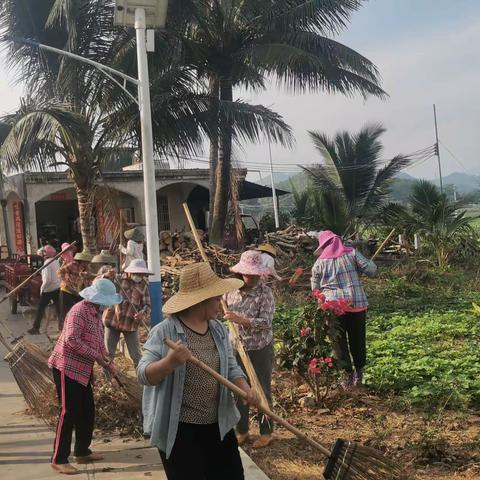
x: 106, y: 265
x: 252, y: 307
x: 134, y: 310
x: 134, y: 248
x: 188, y: 415
x: 79, y: 346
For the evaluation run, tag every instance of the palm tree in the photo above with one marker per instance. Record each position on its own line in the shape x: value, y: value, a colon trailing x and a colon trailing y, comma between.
x: 352, y: 181
x: 441, y: 224
x: 244, y: 42
x: 79, y: 116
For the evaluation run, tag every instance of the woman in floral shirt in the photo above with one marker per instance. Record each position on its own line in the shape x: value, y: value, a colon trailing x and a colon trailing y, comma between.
x: 252, y: 308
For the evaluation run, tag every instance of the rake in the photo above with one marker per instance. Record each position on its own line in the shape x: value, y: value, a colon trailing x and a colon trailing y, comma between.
x: 346, y: 461
x: 252, y: 375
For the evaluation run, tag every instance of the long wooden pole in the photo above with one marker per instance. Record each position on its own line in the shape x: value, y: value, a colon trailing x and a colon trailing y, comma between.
x: 36, y: 272
x: 263, y: 408
x: 252, y: 375
x: 384, y: 243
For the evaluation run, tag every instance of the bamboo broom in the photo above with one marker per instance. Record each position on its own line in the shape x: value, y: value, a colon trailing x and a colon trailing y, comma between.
x: 252, y: 375
x: 346, y: 461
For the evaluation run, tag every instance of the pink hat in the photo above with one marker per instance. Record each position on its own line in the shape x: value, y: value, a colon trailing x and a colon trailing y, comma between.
x: 68, y: 255
x: 49, y: 251
x: 330, y: 245
x: 251, y: 263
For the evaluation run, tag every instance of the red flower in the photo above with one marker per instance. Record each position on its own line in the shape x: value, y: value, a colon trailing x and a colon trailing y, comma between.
x: 313, y: 367
x: 330, y: 365
x: 305, y: 331
x: 319, y: 296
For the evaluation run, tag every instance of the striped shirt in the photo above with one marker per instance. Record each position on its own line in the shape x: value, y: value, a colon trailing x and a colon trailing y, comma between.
x: 80, y: 344
x: 340, y: 278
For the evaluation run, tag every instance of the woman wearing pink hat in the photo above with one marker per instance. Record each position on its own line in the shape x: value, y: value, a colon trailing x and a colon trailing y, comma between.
x: 50, y: 288
x: 336, y: 273
x: 252, y: 308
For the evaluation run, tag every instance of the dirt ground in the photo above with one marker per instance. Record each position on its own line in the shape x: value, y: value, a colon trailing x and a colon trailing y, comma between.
x: 440, y: 446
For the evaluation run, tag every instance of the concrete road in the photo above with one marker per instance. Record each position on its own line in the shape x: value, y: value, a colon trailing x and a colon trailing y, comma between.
x: 26, y: 443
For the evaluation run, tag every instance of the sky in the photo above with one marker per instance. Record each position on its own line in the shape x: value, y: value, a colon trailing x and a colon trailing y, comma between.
x: 427, y: 51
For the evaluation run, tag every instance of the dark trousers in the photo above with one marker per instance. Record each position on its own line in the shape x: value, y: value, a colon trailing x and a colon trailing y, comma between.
x: 262, y: 361
x: 45, y: 299
x: 348, y: 336
x: 199, y: 454
x: 67, y: 301
x: 78, y: 412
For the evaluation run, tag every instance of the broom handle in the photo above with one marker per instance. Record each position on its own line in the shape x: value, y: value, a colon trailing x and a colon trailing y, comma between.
x: 241, y: 350
x: 36, y: 272
x: 382, y: 246
x: 263, y: 408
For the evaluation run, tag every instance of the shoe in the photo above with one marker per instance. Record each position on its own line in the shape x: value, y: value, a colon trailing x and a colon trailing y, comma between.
x: 242, y: 438
x: 262, y: 441
x: 64, y: 468
x: 358, y: 378
x: 34, y: 331
x: 93, y: 457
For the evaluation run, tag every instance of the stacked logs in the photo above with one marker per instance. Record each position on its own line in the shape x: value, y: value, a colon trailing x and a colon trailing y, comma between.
x: 290, y: 243
x: 221, y: 260
x: 171, y: 242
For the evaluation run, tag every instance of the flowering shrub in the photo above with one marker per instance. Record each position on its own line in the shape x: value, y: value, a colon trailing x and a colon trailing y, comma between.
x: 306, y: 346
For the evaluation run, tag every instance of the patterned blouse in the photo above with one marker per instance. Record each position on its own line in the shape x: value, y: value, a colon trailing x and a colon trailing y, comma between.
x: 200, y: 390
x: 258, y: 305
x: 73, y: 276
x: 122, y: 317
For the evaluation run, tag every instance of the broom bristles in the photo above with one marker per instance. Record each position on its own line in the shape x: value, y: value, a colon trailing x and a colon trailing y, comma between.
x: 351, y: 461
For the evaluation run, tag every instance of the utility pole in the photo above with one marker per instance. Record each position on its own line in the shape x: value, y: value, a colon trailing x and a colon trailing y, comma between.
x: 274, y: 192
x: 150, y: 191
x: 437, y: 148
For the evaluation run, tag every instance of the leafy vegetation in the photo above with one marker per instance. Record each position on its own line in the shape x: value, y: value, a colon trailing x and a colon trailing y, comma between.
x: 422, y: 336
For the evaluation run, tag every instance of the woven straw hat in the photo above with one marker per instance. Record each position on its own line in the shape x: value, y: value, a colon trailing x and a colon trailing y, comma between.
x: 198, y: 282
x: 84, y: 256
x: 134, y: 234
x: 104, y: 257
x: 267, y: 248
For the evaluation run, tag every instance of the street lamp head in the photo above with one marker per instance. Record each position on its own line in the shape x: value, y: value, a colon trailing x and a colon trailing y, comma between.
x: 155, y: 12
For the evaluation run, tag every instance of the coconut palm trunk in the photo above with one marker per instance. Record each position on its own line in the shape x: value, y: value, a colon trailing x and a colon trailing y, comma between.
x: 86, y: 201
x: 223, y: 170
x: 214, y: 93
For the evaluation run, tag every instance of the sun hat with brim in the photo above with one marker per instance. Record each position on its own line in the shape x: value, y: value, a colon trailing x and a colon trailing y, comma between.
x: 84, y: 256
x: 138, y: 266
x: 251, y: 263
x: 104, y: 257
x: 102, y: 292
x: 269, y: 262
x: 134, y: 234
x: 267, y: 248
x: 198, y: 282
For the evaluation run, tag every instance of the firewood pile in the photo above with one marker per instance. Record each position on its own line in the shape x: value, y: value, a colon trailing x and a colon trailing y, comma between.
x: 171, y: 242
x: 291, y: 243
x: 172, y: 263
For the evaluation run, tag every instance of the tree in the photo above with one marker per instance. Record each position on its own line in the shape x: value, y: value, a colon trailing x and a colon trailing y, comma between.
x: 442, y: 225
x: 352, y: 183
x: 80, y: 116
x: 244, y: 42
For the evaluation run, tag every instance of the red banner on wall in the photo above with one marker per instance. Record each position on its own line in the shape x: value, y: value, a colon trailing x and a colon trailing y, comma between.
x: 18, y: 227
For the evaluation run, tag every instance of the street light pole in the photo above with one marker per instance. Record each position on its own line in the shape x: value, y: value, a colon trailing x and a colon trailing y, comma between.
x: 437, y: 148
x: 274, y: 192
x: 151, y: 218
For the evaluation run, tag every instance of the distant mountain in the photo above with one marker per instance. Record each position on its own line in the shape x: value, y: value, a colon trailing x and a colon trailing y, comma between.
x: 464, y: 183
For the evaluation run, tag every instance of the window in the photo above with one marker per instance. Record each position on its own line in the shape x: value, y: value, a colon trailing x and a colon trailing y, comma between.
x: 163, y: 214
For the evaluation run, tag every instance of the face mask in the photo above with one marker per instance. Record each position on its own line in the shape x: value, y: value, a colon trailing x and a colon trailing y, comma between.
x: 137, y: 278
